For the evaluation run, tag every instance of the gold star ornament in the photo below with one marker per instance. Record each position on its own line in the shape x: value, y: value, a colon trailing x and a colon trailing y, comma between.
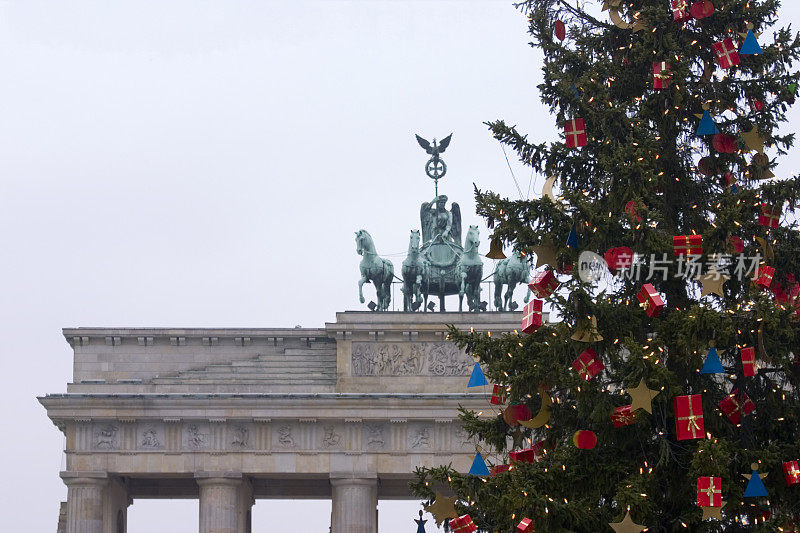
x: 713, y: 512
x: 753, y: 140
x: 545, y: 254
x: 442, y: 508
x: 587, y: 331
x: 712, y: 283
x: 642, y: 397
x: 627, y: 525
x: 766, y: 247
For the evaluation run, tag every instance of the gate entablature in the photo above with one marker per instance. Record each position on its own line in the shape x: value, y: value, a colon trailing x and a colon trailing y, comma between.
x: 346, y: 411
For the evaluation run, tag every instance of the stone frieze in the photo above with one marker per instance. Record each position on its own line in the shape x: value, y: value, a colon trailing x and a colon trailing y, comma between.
x: 409, y: 359
x: 372, y: 436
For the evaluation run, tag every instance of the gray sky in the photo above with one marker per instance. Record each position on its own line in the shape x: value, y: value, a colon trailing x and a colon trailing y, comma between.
x: 194, y: 163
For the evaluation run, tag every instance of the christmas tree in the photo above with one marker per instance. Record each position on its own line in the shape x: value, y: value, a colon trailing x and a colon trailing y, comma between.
x: 663, y: 391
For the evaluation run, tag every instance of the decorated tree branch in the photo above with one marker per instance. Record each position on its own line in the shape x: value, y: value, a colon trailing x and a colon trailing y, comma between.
x: 663, y: 391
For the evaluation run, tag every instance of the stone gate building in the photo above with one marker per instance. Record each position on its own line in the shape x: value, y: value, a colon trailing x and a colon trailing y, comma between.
x: 231, y: 415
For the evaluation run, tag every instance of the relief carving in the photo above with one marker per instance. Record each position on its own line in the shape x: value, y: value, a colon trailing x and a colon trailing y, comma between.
x: 106, y: 437
x: 196, y: 438
x: 375, y: 438
x: 331, y: 438
x: 285, y: 438
x: 240, y: 436
x: 409, y: 359
x: 150, y: 438
x: 421, y: 438
x: 462, y: 437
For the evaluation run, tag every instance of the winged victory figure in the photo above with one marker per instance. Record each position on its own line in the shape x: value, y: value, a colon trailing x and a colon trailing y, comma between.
x: 439, y: 223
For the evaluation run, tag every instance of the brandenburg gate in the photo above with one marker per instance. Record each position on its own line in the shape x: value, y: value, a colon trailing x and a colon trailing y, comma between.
x: 232, y: 415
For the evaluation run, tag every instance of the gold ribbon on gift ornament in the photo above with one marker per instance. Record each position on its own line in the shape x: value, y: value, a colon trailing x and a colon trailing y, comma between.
x: 691, y: 420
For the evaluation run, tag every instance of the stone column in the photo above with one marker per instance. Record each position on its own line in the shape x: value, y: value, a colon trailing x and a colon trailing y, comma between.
x: 116, y: 502
x: 355, y: 503
x: 220, y: 505
x: 84, y: 501
x: 245, y: 507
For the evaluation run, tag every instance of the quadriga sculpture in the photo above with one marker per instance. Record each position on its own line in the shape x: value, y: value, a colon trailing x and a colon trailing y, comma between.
x: 510, y: 272
x: 374, y: 269
x: 414, y: 271
x: 470, y: 269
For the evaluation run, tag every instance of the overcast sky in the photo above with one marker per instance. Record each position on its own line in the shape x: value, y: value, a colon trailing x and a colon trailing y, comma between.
x: 207, y: 164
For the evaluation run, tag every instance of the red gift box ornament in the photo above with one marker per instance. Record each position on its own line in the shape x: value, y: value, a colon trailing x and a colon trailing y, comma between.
x: 792, y: 473
x: 588, y: 365
x: 662, y: 75
x: 499, y: 469
x: 622, y: 416
x: 689, y: 423
x: 749, y: 361
x: 687, y: 245
x: 498, y: 395
x: 763, y: 276
x: 528, y: 455
x: 525, y: 526
x: 544, y: 284
x: 650, y: 300
x: 709, y: 492
x: 575, y: 133
x: 680, y: 10
x: 770, y: 216
x: 737, y: 243
x: 784, y: 294
x: 736, y: 405
x: 462, y: 524
x: 756, y: 105
x: 532, y: 316
x: 727, y: 53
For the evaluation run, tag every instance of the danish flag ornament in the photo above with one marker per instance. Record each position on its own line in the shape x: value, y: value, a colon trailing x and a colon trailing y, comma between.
x: 727, y: 54
x: 575, y: 133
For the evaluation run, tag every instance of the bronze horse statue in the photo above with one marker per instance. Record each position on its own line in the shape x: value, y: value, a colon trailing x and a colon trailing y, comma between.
x: 414, y: 270
x: 470, y: 269
x: 374, y: 269
x: 510, y: 272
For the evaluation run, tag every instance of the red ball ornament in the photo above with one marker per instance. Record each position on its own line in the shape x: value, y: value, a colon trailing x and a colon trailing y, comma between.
x: 701, y: 10
x: 584, y: 440
x: 707, y: 166
x: 564, y: 266
x: 516, y: 412
x: 619, y: 258
x: 727, y: 179
x: 632, y: 208
x: 724, y: 143
x: 560, y: 30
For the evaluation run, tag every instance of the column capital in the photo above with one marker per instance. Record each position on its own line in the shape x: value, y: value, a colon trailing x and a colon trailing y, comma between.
x: 86, y: 478
x: 219, y: 478
x: 354, y: 478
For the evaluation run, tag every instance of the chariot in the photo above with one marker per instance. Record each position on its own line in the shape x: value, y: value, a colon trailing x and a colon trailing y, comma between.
x: 437, y: 264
